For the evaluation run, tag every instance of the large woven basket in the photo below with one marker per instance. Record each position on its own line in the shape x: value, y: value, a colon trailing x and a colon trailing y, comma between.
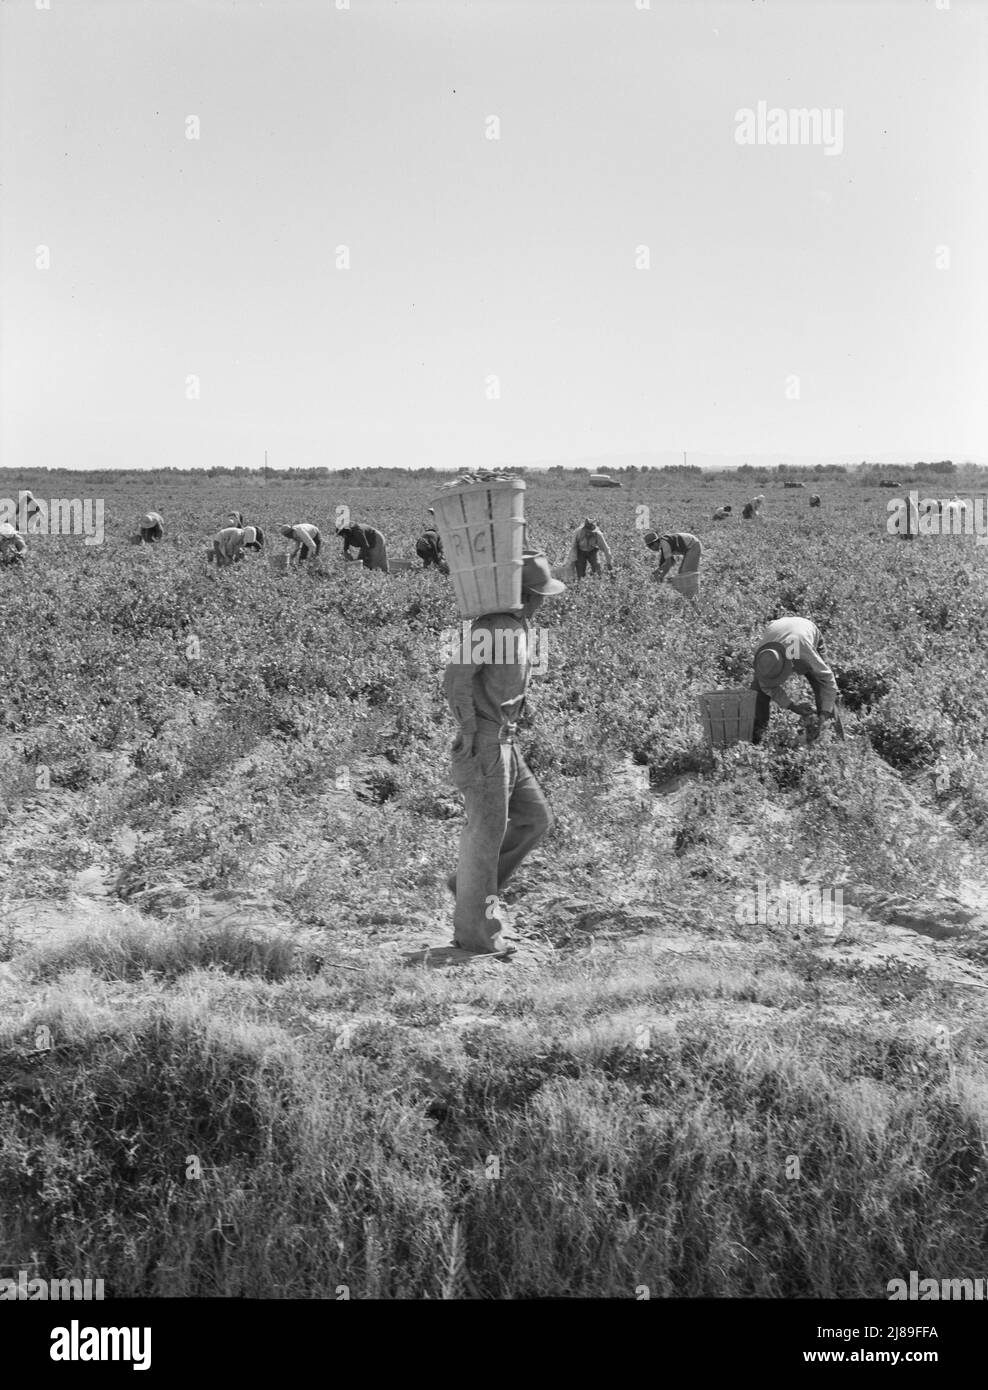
x: 727, y: 716
x: 482, y: 526
x: 686, y: 584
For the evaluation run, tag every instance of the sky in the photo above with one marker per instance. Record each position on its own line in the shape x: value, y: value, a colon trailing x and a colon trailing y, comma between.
x: 466, y: 233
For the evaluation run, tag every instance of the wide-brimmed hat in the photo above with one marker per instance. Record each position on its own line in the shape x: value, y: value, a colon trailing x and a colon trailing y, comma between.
x: 150, y: 519
x: 772, y: 666
x: 650, y: 537
x: 536, y: 575
x: 587, y: 521
x: 7, y: 530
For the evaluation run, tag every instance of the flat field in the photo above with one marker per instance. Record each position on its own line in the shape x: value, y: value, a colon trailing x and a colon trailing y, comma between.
x: 230, y: 1063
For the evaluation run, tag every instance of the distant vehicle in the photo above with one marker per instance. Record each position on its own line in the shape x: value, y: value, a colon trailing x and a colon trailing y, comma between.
x: 888, y: 482
x: 793, y: 484
x: 602, y: 480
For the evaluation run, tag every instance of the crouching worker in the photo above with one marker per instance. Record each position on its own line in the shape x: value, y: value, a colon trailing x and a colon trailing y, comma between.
x: 307, y: 542
x: 588, y: 546
x: 722, y: 513
x: 507, y: 815
x: 791, y: 645
x: 681, y: 543
x: 237, y: 519
x: 228, y: 545
x: 429, y: 549
x: 370, y: 545
x: 151, y: 528
x: 13, y: 546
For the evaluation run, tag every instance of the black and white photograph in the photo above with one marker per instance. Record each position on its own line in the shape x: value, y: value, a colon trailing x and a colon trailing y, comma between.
x: 493, y: 675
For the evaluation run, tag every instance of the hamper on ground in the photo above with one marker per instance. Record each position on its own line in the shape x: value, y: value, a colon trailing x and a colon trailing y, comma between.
x: 686, y: 584
x: 728, y: 716
x: 482, y: 527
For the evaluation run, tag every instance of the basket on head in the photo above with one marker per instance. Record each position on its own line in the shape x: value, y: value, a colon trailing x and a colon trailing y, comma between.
x: 482, y: 526
x: 728, y: 716
x: 686, y: 584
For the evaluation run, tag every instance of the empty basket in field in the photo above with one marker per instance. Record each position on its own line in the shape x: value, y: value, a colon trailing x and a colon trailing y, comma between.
x: 687, y: 584
x: 728, y: 716
x: 279, y: 563
x: 482, y: 526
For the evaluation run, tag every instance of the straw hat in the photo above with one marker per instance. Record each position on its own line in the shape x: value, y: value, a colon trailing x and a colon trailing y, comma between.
x: 536, y: 575
x: 650, y: 537
x: 6, y: 530
x: 772, y: 667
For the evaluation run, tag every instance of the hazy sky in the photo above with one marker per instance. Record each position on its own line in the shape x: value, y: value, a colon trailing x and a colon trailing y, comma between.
x: 473, y: 258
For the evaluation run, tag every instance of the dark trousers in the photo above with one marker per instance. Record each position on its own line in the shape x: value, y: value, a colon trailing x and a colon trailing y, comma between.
x: 428, y: 554
x: 763, y: 707
x: 584, y: 558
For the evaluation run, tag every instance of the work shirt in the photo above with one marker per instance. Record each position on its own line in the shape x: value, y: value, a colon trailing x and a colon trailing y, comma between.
x: 229, y: 543
x: 803, y: 643
x: 677, y: 543
x: 588, y: 541
x: 486, y: 695
x: 304, y: 537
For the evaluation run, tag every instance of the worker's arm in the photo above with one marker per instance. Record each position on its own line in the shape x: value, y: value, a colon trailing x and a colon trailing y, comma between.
x: 459, y: 693
x: 820, y: 677
x: 665, y: 551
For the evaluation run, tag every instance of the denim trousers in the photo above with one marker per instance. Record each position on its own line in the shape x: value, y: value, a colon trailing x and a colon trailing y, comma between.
x: 507, y: 816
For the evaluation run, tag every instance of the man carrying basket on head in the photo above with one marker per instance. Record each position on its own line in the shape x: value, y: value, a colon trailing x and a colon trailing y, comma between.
x: 791, y: 645
x: 507, y: 815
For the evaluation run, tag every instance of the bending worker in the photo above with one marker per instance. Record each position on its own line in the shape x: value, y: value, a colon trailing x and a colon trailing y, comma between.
x: 507, y: 815
x: 786, y: 646
x: 237, y: 519
x: 152, y: 528
x: 13, y: 546
x: 429, y: 549
x: 370, y: 545
x: 229, y: 544
x: 667, y: 547
x: 588, y: 546
x: 306, y: 542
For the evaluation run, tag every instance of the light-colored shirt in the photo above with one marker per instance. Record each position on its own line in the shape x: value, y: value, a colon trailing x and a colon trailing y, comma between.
x: 229, y: 543
x: 303, y: 538
x: 486, y: 694
x: 589, y: 540
x: 803, y: 643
